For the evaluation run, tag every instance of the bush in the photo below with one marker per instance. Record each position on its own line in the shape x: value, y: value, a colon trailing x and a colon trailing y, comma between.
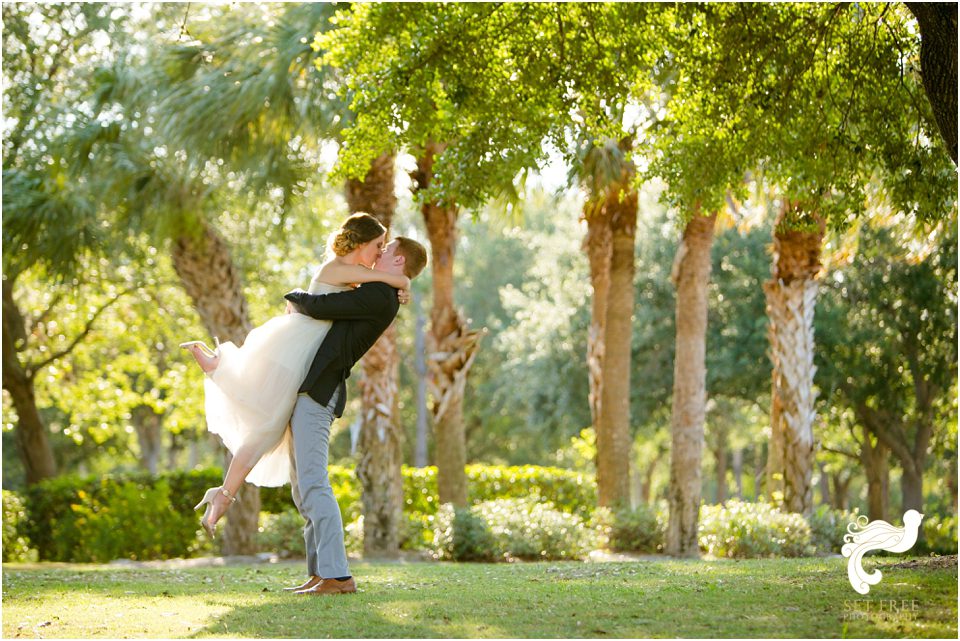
x: 16, y: 546
x: 346, y: 490
x: 73, y: 518
x: 568, y: 491
x: 462, y: 535
x: 282, y: 533
x: 746, y: 530
x: 940, y: 533
x: 827, y: 527
x: 641, y: 529
x: 532, y: 529
x: 138, y: 517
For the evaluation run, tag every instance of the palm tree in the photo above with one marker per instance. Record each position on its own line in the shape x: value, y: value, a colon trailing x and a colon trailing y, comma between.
x: 49, y: 222
x: 791, y: 299
x: 691, y: 277
x: 381, y: 436
x: 611, y: 215
x: 209, y: 102
x: 451, y: 342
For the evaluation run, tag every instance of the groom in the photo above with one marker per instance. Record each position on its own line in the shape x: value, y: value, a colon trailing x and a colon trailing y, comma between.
x: 359, y: 317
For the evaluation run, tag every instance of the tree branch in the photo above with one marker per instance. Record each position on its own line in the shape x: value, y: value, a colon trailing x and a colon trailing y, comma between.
x: 32, y: 368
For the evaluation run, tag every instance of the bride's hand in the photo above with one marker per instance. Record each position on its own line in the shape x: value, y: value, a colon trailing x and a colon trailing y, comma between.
x: 403, y: 295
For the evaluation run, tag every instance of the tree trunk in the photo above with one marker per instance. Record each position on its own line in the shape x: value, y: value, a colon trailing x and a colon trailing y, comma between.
x: 874, y: 458
x: 30, y: 434
x: 824, y: 484
x: 598, y: 246
x: 381, y: 449
x: 691, y: 277
x: 452, y: 344
x: 420, y: 363
x: 738, y: 471
x: 911, y: 486
x: 646, y: 486
x: 613, y: 427
x: 791, y: 299
x: 203, y: 263
x: 381, y: 436
x: 841, y: 487
x: 148, y: 427
x: 938, y: 64
x: 720, y: 458
x: 774, y: 467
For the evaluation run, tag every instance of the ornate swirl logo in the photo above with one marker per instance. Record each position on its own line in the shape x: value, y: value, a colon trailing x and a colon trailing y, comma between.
x: 865, y: 535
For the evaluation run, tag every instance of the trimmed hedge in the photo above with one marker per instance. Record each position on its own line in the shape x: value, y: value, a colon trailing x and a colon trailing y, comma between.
x: 137, y: 516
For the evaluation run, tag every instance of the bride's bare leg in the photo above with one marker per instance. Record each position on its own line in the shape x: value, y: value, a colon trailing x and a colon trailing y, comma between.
x: 241, y: 464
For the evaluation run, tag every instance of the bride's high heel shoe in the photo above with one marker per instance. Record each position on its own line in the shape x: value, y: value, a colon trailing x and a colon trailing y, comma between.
x: 208, y: 498
x: 212, y: 353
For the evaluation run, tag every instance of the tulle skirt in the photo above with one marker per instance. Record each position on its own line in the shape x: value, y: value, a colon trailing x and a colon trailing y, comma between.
x: 250, y: 396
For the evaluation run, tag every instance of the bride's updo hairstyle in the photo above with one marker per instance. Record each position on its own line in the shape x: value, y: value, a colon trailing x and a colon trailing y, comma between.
x: 355, y: 231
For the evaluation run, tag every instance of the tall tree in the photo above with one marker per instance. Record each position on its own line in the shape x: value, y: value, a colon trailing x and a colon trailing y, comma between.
x: 48, y: 220
x: 381, y: 436
x: 611, y: 215
x: 938, y: 64
x: 691, y: 276
x: 890, y: 345
x: 452, y: 344
x: 791, y: 300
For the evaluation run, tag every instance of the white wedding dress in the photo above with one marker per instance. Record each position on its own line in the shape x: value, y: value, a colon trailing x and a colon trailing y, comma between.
x: 250, y: 396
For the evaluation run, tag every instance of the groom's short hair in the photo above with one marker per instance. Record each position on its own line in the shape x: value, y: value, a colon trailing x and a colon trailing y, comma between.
x: 414, y: 254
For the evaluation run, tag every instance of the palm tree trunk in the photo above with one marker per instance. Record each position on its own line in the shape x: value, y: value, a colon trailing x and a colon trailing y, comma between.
x: 613, y: 428
x: 381, y: 438
x: 597, y: 244
x: 30, y: 434
x: 791, y: 298
x: 203, y: 263
x: 452, y: 344
x: 691, y: 277
x: 420, y: 364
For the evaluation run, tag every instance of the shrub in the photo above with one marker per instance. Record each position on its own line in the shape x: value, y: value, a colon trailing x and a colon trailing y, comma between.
x: 532, y: 529
x: 282, y: 533
x: 89, y: 519
x: 346, y: 490
x: 417, y: 531
x: 462, y: 535
x: 744, y: 530
x: 16, y: 546
x: 827, y: 527
x: 940, y: 533
x: 568, y: 491
x: 640, y: 529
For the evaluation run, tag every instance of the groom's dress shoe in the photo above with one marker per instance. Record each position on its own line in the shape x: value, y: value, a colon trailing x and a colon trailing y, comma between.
x: 332, y: 586
x: 311, y: 582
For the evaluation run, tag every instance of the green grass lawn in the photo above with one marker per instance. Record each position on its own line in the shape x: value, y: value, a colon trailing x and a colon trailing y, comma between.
x: 658, y: 598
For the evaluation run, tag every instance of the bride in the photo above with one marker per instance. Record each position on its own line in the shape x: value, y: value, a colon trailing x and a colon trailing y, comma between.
x: 250, y: 390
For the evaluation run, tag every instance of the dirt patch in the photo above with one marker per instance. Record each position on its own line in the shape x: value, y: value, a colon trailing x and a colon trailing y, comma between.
x: 931, y: 563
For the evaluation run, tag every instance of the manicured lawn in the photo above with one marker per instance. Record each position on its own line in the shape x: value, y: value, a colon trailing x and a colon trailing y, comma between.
x: 659, y: 598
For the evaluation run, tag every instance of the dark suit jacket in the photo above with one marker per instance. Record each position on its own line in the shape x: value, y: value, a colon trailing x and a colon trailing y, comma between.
x: 359, y: 317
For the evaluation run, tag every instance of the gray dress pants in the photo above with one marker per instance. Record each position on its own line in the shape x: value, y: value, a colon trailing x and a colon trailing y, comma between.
x: 310, y: 486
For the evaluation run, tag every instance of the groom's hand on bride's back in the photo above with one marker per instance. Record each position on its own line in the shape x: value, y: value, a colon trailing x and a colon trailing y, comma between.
x: 293, y: 308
